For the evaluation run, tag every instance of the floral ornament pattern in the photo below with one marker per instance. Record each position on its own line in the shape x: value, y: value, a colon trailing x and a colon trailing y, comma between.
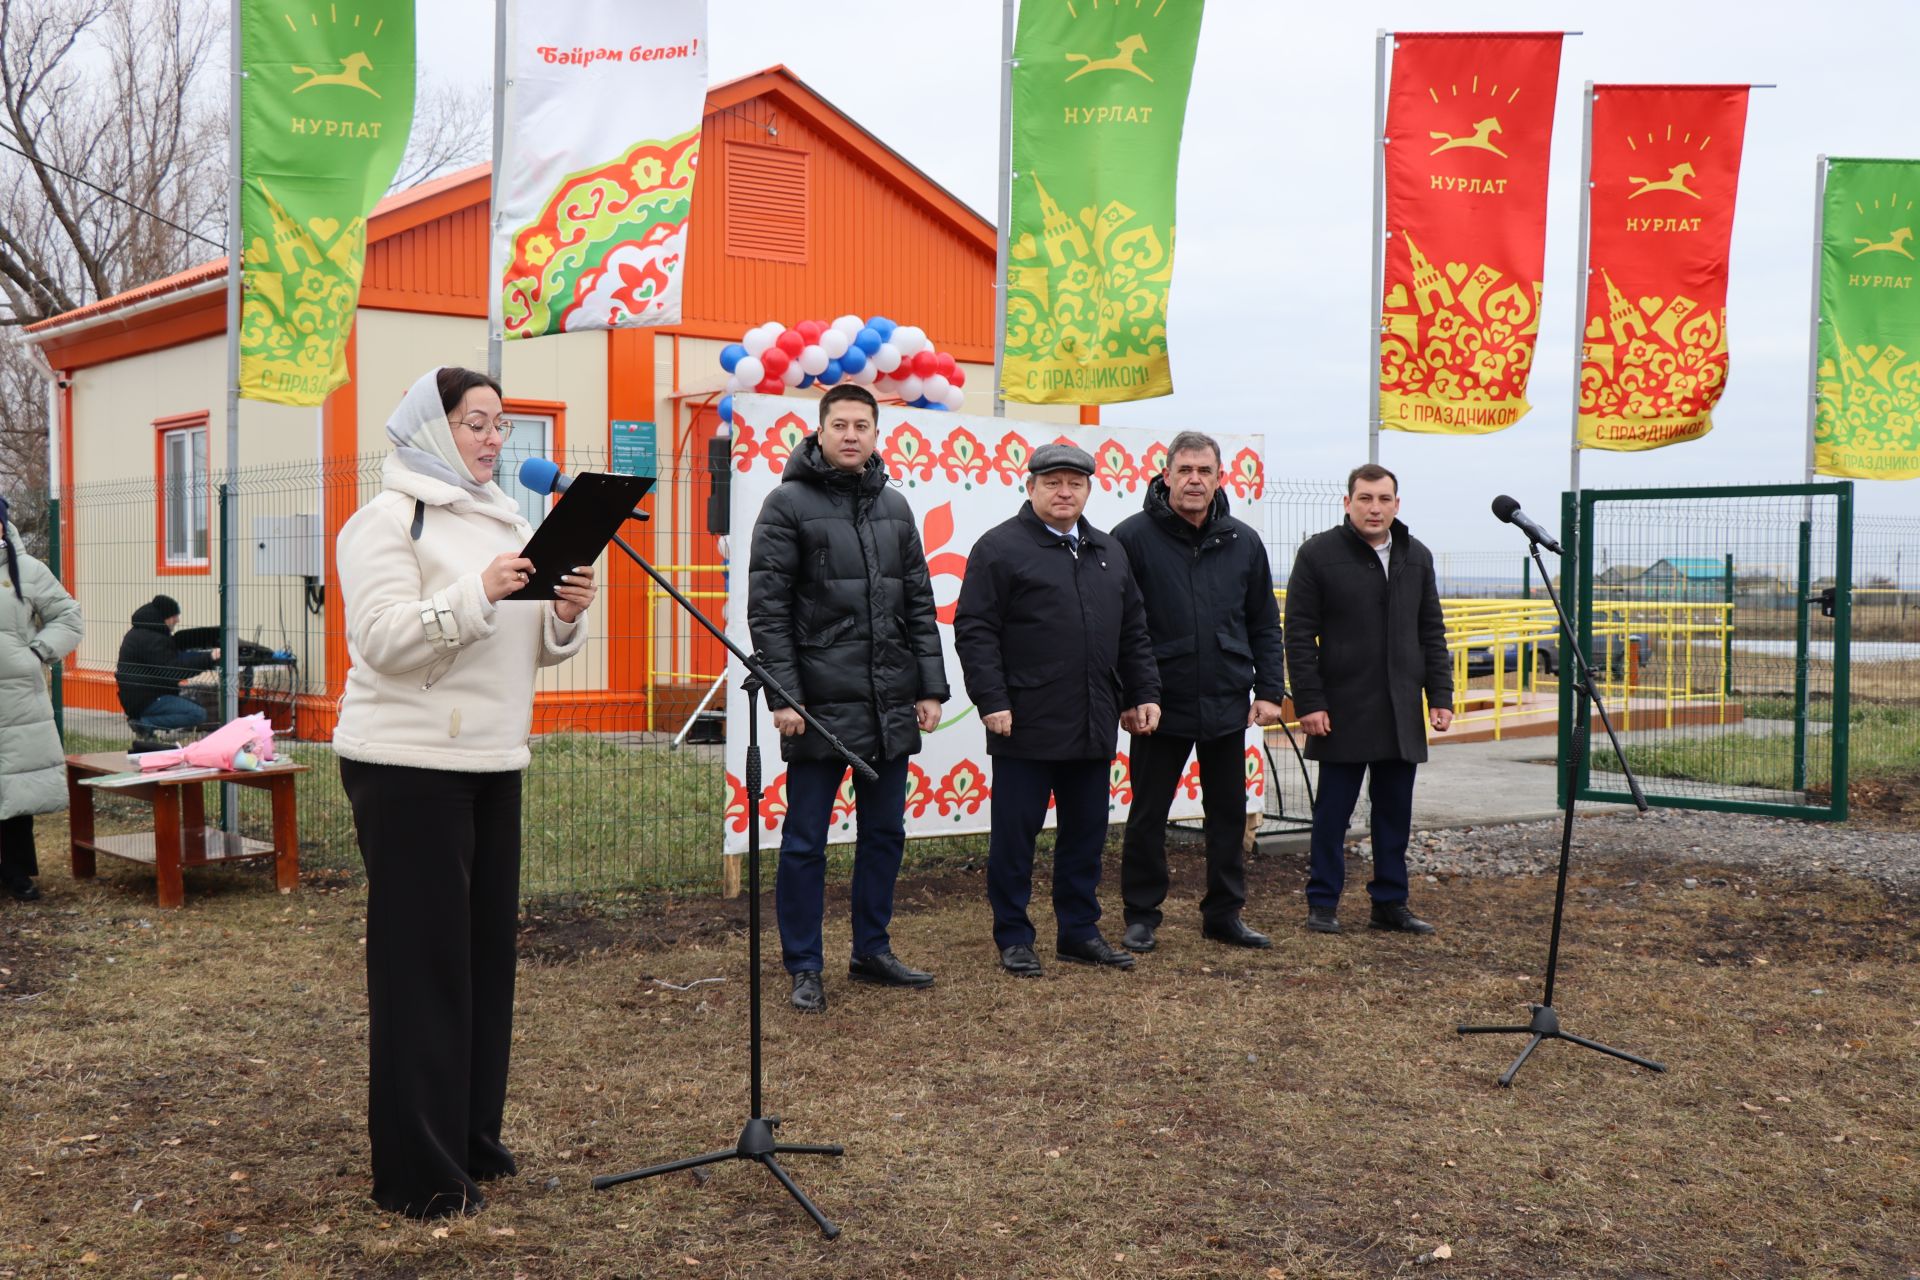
x: 1653, y: 370
x: 1113, y: 467
x: 1256, y: 772
x: 964, y: 459
x: 908, y: 453
x: 919, y: 791
x: 1010, y: 458
x: 1120, y: 779
x: 1246, y: 476
x: 1456, y: 345
x: 1868, y: 421
x: 736, y: 803
x: 782, y: 439
x: 963, y: 790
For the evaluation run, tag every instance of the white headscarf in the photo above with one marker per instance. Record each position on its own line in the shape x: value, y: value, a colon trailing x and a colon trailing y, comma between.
x: 423, y: 440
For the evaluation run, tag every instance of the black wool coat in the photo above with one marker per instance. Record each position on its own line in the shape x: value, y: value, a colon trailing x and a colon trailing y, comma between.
x: 1363, y: 646
x: 150, y: 664
x: 840, y: 607
x: 1211, y: 612
x: 1057, y: 637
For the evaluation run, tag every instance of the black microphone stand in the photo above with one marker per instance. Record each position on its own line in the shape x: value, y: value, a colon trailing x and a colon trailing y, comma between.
x: 1545, y: 1024
x: 756, y: 1141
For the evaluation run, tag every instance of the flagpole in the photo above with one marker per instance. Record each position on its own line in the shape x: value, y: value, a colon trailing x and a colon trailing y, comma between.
x: 494, y: 318
x: 229, y: 535
x: 1376, y: 283
x: 1580, y: 283
x: 1007, y: 8
x: 1813, y: 309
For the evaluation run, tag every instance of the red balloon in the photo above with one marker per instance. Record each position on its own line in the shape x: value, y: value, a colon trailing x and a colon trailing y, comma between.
x: 958, y: 377
x: 925, y: 364
x: 946, y: 365
x: 811, y: 330
x: 791, y: 341
x: 775, y: 361
x: 772, y: 386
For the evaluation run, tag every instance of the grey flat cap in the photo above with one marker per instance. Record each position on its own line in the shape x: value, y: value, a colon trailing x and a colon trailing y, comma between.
x: 1060, y: 457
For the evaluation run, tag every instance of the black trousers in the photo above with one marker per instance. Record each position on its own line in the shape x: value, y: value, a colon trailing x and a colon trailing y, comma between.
x: 1021, y: 789
x: 442, y: 851
x: 1156, y: 763
x: 18, y: 861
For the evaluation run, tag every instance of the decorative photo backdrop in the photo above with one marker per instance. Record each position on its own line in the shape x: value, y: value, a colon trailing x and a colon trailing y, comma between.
x: 962, y: 475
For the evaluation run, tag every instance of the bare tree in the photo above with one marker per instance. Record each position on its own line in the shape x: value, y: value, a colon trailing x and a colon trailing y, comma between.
x: 452, y: 128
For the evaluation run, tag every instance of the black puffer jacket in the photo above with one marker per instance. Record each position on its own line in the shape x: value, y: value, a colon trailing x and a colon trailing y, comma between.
x: 1211, y: 611
x: 1363, y: 646
x: 1058, y: 639
x: 841, y: 607
x: 150, y: 665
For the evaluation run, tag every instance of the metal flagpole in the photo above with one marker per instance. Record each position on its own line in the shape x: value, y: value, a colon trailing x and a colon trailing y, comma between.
x: 1580, y: 285
x: 494, y: 320
x: 229, y: 533
x: 1377, y: 281
x: 1007, y: 9
x: 1813, y: 308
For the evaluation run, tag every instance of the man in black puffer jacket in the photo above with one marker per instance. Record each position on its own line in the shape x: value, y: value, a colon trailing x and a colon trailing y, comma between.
x: 840, y: 606
x: 1216, y: 637
x: 151, y: 667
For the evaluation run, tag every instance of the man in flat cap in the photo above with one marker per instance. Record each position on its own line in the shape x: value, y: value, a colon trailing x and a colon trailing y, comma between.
x: 1052, y: 638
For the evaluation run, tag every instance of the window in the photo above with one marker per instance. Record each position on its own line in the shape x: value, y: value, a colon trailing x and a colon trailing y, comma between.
x: 533, y: 437
x: 184, y: 486
x: 767, y: 194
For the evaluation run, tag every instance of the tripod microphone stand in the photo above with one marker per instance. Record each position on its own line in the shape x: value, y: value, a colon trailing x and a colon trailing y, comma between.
x: 1545, y: 1023
x: 756, y: 1141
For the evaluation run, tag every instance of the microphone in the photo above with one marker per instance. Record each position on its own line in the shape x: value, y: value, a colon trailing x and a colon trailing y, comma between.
x: 1506, y: 508
x: 542, y: 475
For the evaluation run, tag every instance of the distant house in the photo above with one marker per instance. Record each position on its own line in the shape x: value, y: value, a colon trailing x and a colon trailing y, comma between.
x: 1683, y: 578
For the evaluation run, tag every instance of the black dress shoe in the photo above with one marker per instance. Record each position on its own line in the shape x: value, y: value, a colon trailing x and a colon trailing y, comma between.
x: 1020, y: 962
x: 887, y: 970
x: 1322, y: 920
x: 1094, y: 950
x: 1235, y: 933
x: 1397, y: 916
x: 1139, y: 937
x: 23, y: 889
x: 808, y: 995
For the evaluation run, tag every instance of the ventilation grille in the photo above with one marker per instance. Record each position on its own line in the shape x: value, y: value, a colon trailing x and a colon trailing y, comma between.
x: 767, y: 190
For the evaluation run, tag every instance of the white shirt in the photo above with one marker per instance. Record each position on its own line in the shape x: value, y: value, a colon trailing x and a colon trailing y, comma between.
x: 1385, y: 552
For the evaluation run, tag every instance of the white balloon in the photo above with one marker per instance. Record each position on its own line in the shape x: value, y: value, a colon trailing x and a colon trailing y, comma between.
x: 734, y: 384
x: 792, y: 374
x: 956, y: 397
x: 773, y: 328
x: 849, y: 325
x: 910, y: 389
x: 865, y: 377
x: 935, y: 388
x: 835, y: 343
x: 887, y: 358
x: 909, y: 340
x: 755, y: 342
x: 813, y: 360
x: 749, y: 372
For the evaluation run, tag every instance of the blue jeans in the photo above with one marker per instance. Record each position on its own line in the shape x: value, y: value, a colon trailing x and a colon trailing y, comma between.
x: 800, y: 888
x: 1390, y: 790
x: 1020, y: 789
x: 169, y: 711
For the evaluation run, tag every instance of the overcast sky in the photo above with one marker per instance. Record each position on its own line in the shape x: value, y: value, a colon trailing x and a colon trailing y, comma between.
x: 1271, y: 298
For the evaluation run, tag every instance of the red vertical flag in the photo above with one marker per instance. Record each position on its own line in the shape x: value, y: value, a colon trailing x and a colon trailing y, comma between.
x: 1666, y: 165
x: 1469, y: 128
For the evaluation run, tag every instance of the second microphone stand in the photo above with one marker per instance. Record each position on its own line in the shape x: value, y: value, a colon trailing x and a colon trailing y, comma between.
x: 1545, y: 1023
x: 756, y: 1141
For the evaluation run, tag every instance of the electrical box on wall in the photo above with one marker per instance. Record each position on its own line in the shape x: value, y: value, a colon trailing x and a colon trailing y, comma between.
x: 289, y: 547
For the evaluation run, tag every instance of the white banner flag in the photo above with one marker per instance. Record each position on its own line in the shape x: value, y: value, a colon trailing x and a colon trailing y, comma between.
x: 962, y: 476
x: 600, y: 143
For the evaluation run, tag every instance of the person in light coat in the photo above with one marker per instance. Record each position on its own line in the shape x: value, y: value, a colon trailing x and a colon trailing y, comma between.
x: 39, y: 625
x: 432, y: 739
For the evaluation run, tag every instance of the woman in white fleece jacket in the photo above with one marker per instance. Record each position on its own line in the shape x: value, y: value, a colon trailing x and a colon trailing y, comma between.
x: 432, y: 738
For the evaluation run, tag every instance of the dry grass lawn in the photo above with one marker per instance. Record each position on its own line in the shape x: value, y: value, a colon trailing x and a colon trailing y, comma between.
x: 185, y: 1091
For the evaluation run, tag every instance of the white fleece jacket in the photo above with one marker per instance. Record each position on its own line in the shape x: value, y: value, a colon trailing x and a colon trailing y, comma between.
x: 442, y: 678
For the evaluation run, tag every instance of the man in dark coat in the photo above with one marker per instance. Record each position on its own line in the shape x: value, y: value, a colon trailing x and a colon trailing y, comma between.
x: 1365, y: 639
x: 1052, y: 638
x: 1216, y: 636
x: 151, y: 667
x: 840, y: 606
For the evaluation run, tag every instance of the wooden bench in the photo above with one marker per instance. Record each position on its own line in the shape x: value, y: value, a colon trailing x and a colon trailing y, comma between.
x: 180, y: 837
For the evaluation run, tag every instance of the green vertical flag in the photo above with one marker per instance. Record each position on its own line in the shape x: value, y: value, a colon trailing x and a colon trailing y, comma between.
x: 1868, y: 421
x: 1099, y: 99
x: 324, y: 114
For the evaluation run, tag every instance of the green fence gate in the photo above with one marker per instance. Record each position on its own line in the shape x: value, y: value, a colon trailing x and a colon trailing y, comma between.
x: 1718, y: 624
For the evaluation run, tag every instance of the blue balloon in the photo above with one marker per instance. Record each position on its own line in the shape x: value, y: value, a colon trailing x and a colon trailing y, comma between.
x: 730, y: 355
x: 854, y: 361
x: 806, y: 380
x: 867, y: 341
x: 882, y: 326
x: 726, y: 408
x: 832, y: 373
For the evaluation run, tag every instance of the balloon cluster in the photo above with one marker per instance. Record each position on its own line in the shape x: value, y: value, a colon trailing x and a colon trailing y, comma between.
x: 893, y: 359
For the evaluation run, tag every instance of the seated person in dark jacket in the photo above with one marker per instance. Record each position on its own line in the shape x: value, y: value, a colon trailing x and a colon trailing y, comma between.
x: 840, y: 606
x: 151, y: 668
x: 1052, y: 638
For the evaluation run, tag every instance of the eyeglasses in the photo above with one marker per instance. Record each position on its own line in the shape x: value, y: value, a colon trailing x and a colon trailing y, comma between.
x: 480, y: 426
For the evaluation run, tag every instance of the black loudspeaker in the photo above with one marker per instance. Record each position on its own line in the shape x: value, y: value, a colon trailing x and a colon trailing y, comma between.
x: 720, y: 478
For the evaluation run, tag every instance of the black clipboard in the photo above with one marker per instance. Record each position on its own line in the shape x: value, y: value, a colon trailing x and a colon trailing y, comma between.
x: 579, y: 528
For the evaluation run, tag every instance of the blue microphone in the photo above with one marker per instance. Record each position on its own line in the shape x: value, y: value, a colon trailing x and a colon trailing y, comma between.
x: 542, y: 475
